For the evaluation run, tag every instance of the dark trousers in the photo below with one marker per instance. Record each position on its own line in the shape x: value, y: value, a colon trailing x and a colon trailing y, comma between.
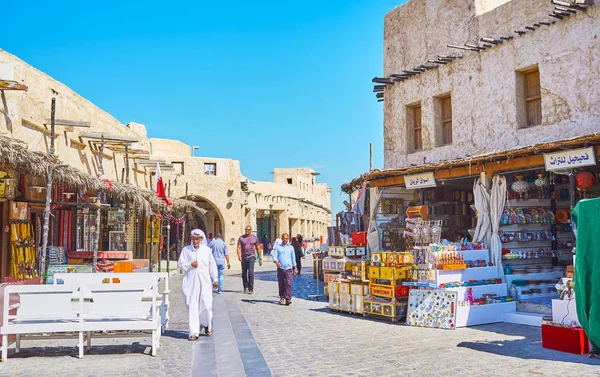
x: 284, y: 277
x: 248, y: 273
x: 298, y: 260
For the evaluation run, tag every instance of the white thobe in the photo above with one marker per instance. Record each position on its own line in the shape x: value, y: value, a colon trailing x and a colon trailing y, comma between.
x: 197, y: 286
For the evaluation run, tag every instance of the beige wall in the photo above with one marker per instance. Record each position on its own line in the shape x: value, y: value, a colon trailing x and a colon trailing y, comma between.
x: 484, y: 85
x: 223, y: 192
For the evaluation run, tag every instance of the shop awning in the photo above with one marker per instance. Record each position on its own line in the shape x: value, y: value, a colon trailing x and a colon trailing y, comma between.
x: 491, y: 163
x: 14, y: 153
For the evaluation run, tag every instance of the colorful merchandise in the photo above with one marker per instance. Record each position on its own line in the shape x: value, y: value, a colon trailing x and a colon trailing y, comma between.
x: 435, y: 308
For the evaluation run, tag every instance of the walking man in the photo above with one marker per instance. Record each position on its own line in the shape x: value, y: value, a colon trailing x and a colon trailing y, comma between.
x: 221, y: 254
x: 297, y: 245
x: 247, y: 251
x: 200, y: 268
x: 285, y: 259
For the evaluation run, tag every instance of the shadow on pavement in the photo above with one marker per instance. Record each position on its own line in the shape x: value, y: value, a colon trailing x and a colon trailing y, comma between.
x: 133, y: 348
x: 514, y: 348
x: 249, y: 301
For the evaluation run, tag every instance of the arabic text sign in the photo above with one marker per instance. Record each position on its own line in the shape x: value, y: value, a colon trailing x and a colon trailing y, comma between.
x: 421, y: 180
x: 570, y: 159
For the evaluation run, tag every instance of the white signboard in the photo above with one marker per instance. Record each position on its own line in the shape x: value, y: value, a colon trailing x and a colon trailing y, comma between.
x: 570, y: 159
x: 417, y: 181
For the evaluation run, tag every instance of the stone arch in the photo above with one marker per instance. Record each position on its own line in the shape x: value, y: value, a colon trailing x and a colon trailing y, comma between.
x: 211, y: 222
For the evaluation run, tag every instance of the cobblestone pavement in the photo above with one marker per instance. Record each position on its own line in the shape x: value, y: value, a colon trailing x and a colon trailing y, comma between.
x: 230, y: 352
x: 254, y: 336
x: 306, y: 339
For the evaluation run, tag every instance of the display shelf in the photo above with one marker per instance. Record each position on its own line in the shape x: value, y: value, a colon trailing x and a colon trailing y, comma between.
x: 512, y: 203
x: 482, y: 314
x: 520, y: 227
x: 523, y: 318
x: 475, y: 254
x: 526, y: 244
x: 479, y: 290
x: 534, y: 296
x: 534, y: 276
x: 475, y: 273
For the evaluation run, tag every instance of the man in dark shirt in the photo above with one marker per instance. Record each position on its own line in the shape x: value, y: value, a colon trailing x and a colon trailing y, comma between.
x: 247, y: 250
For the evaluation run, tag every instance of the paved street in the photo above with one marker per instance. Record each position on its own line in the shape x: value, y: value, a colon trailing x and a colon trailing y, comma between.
x: 256, y: 337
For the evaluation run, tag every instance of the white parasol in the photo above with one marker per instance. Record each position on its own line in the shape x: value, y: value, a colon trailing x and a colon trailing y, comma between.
x: 482, y: 205
x: 497, y: 201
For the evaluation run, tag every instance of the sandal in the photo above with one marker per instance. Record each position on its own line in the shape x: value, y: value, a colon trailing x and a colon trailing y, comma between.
x: 208, y: 333
x: 192, y: 338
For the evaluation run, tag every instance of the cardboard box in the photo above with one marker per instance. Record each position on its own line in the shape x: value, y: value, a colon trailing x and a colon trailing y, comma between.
x: 344, y: 288
x: 570, y: 271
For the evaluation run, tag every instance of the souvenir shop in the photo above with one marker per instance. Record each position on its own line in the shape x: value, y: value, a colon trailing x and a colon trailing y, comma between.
x: 490, y: 236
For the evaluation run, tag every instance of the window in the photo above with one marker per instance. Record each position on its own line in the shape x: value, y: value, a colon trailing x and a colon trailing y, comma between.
x: 210, y: 169
x: 178, y: 168
x: 446, y: 120
x: 533, y: 98
x: 415, y: 129
x: 289, y: 181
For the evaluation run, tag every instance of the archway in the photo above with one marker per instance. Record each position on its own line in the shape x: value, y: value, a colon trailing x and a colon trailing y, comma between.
x: 209, y: 222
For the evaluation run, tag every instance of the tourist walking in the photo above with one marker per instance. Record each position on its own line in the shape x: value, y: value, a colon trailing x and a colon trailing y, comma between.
x: 297, y: 245
x: 200, y: 268
x: 285, y: 260
x: 221, y: 254
x: 248, y: 252
x: 266, y: 244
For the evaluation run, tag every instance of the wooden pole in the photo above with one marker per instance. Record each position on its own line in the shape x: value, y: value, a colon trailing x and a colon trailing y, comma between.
x: 160, y: 252
x: 46, y: 228
x: 151, y: 241
x: 168, y: 243
x: 127, y: 209
x: 371, y: 157
x: 97, y: 232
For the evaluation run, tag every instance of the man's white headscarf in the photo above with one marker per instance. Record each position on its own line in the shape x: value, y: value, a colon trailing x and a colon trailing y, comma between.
x: 199, y: 233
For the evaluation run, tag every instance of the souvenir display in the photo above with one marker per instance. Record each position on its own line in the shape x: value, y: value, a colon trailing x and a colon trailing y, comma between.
x: 435, y: 308
x: 523, y: 215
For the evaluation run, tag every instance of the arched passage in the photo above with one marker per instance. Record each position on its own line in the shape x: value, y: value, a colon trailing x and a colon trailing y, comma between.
x: 210, y: 222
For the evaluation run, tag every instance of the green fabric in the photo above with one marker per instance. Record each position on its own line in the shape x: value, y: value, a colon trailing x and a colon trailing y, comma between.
x: 586, y: 217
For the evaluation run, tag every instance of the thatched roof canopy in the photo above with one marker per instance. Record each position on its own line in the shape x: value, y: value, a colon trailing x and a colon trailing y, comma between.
x: 15, y: 154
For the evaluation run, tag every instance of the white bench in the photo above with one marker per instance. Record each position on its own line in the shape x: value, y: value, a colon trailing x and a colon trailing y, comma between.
x: 148, y: 278
x: 42, y: 309
x: 47, y: 309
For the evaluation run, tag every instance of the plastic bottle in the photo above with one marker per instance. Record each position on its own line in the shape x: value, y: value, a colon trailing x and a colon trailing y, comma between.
x: 513, y: 292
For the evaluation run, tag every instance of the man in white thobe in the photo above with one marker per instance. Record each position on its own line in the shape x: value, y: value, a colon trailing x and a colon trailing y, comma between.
x: 201, y: 275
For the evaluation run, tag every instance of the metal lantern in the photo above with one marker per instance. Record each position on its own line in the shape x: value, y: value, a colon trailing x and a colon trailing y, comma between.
x: 541, y: 182
x: 520, y: 186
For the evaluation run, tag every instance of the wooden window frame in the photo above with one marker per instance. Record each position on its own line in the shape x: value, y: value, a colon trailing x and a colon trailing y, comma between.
x: 208, y: 171
x: 445, y: 122
x: 527, y: 98
x: 417, y: 128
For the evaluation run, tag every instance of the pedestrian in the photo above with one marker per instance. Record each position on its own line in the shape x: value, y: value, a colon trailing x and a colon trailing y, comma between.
x: 265, y: 242
x: 248, y: 252
x: 285, y: 260
x: 297, y: 245
x: 200, y: 268
x: 276, y: 243
x: 221, y: 254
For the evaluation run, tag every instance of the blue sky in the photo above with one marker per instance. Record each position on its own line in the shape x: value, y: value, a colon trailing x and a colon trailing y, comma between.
x: 269, y: 83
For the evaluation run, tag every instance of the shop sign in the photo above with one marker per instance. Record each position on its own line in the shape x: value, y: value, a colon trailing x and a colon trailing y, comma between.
x: 570, y: 159
x: 267, y: 212
x: 422, y: 180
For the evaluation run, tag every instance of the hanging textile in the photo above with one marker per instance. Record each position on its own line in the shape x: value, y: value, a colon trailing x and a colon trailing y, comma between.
x: 359, y: 206
x: 587, y: 268
x: 373, y: 238
x: 497, y: 202
x: 482, y: 205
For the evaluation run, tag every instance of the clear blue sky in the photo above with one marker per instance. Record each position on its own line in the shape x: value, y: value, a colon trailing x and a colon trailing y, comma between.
x: 269, y: 83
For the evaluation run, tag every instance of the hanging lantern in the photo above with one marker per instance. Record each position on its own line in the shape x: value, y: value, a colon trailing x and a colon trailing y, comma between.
x: 520, y: 186
x: 541, y: 182
x: 584, y: 180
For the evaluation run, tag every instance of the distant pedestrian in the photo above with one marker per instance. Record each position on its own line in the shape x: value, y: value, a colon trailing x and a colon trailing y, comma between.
x: 200, y: 268
x: 297, y: 245
x: 285, y: 259
x: 221, y: 254
x: 248, y: 252
x: 266, y: 244
x: 276, y: 243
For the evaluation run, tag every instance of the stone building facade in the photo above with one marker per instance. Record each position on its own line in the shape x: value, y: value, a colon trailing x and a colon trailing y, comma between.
x: 485, y: 91
x: 217, y: 184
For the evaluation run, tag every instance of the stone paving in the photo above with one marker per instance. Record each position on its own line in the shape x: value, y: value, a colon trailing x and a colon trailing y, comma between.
x: 306, y: 339
x: 254, y: 336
